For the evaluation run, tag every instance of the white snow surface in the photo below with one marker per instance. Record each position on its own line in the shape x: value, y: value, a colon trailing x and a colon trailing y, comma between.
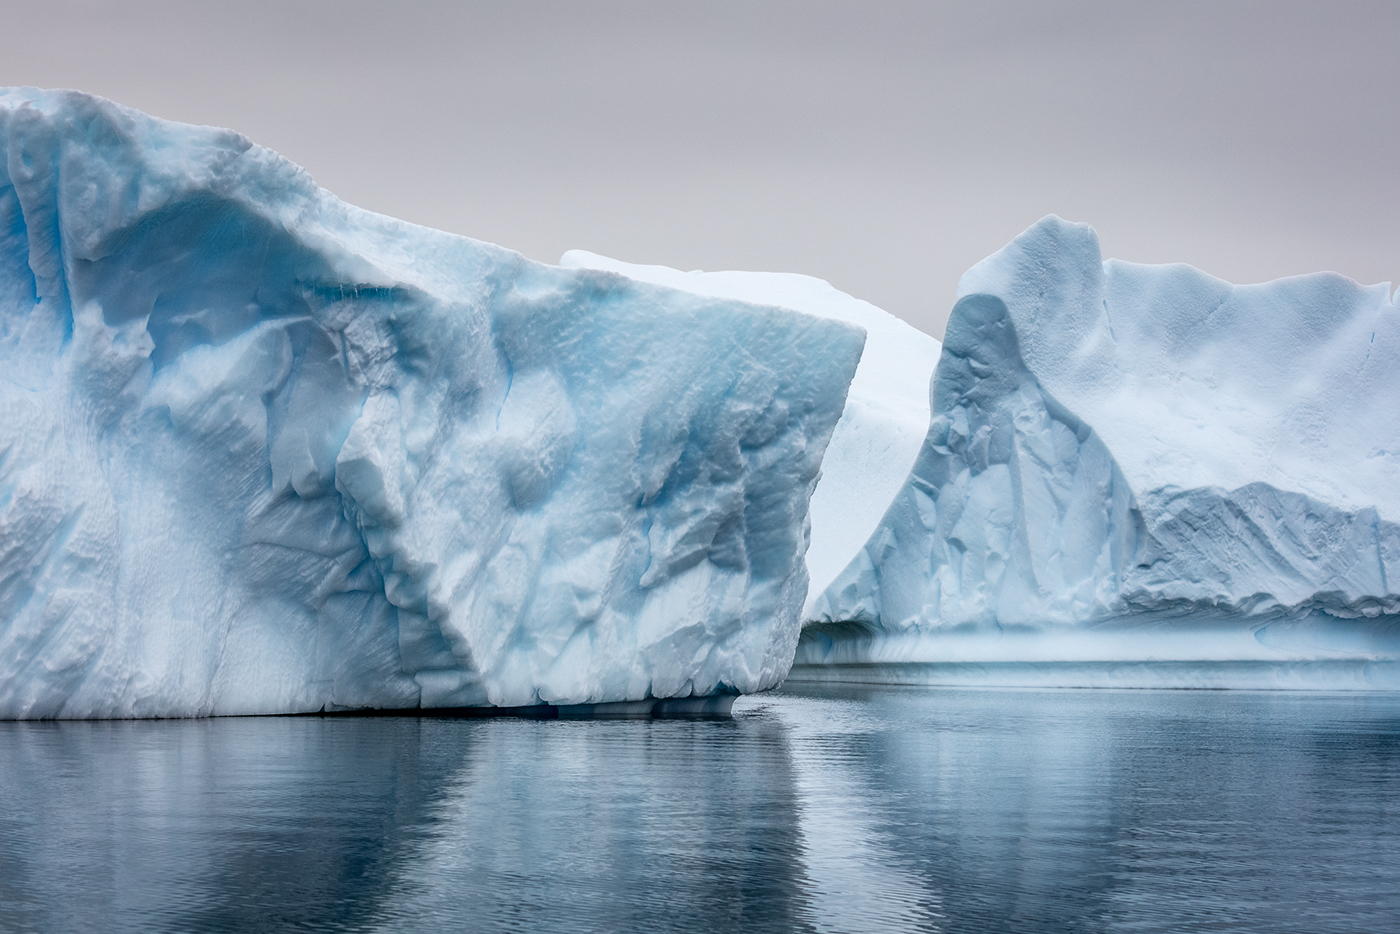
x: 887, y: 409
x: 1133, y: 463
x: 262, y: 451
x: 1193, y: 382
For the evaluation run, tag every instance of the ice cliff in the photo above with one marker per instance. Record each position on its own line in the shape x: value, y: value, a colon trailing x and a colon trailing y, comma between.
x: 887, y: 409
x: 1131, y: 463
x: 262, y: 451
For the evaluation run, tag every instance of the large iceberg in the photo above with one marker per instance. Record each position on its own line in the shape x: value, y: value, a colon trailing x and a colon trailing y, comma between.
x: 1140, y: 475
x: 262, y: 451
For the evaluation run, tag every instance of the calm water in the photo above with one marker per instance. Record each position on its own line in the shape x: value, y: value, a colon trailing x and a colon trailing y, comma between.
x: 832, y: 810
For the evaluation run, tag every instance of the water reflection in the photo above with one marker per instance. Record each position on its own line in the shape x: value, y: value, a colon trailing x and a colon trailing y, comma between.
x: 244, y: 824
x: 829, y: 810
x: 613, y: 826
x: 1118, y: 811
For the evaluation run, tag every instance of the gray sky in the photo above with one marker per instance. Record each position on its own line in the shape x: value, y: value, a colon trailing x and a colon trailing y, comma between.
x: 884, y: 147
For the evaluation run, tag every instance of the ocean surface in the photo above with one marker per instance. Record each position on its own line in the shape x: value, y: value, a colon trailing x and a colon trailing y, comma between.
x: 812, y: 809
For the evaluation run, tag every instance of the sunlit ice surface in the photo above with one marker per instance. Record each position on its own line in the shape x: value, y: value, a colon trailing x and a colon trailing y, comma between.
x: 836, y: 808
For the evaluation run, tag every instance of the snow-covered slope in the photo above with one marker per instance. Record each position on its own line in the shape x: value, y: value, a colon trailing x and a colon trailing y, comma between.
x: 263, y: 451
x: 887, y: 409
x: 1193, y: 382
x: 1131, y: 462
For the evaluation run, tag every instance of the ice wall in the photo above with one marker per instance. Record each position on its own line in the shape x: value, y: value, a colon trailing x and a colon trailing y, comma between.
x: 1131, y: 462
x: 887, y: 409
x: 263, y: 451
x: 1014, y: 512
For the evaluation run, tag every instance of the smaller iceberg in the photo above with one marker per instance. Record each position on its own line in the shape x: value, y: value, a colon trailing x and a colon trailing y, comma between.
x: 1139, y: 475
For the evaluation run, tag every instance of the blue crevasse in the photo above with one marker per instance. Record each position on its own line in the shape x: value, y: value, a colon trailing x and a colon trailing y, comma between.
x: 262, y: 451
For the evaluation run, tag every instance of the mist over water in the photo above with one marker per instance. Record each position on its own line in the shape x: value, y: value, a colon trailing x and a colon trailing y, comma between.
x: 826, y: 809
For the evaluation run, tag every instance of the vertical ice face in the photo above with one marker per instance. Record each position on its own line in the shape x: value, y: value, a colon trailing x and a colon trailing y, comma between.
x: 1116, y: 445
x: 887, y: 408
x: 263, y: 451
x: 1014, y: 513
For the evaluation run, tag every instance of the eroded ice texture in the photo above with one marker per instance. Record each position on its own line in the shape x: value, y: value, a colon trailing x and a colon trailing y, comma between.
x: 264, y: 451
x: 887, y: 410
x: 1123, y: 449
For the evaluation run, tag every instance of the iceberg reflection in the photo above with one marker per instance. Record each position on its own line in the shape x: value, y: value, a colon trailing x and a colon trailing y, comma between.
x: 838, y: 809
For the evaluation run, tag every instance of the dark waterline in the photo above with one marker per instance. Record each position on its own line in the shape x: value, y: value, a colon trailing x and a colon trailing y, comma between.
x: 829, y: 809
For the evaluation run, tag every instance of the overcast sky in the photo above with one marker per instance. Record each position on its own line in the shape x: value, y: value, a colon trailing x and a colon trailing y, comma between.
x: 884, y: 147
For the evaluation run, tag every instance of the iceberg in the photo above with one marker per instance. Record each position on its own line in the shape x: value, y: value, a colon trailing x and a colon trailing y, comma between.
x: 262, y: 451
x: 1139, y: 475
x: 887, y: 408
